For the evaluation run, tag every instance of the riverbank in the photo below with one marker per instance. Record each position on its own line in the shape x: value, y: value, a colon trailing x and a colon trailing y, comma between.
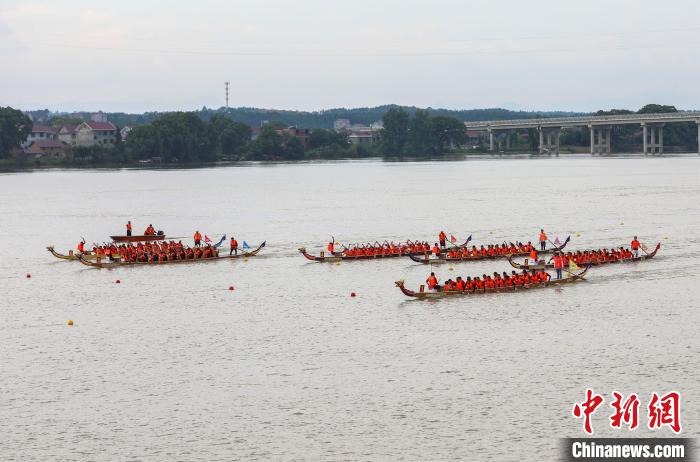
x: 7, y: 166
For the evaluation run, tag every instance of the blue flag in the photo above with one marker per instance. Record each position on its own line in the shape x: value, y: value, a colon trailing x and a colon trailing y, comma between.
x: 221, y: 241
x: 245, y: 245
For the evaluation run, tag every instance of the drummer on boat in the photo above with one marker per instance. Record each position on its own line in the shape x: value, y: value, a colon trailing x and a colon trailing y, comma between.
x: 150, y: 231
x: 442, y: 237
x: 543, y: 240
x: 558, y: 261
x: 635, y: 246
x: 234, y: 246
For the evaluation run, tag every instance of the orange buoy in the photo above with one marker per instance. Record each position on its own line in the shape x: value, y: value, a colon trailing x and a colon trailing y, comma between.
x: 70, y: 322
x: 352, y: 294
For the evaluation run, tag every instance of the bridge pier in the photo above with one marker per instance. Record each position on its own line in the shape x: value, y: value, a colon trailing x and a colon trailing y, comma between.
x: 490, y: 140
x: 653, y: 138
x: 549, y: 139
x: 698, y: 124
x: 600, y: 140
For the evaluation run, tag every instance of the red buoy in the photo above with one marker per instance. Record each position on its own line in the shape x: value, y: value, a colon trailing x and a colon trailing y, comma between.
x: 230, y: 287
x: 352, y: 294
x: 118, y: 281
x: 28, y: 275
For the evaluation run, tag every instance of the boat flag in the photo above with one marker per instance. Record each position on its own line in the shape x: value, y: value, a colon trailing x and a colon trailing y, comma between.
x: 573, y: 266
x: 245, y: 245
x: 221, y: 241
x: 206, y: 239
x: 557, y: 241
x: 453, y: 239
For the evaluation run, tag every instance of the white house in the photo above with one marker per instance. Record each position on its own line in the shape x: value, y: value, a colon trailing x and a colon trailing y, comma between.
x: 40, y: 133
x: 96, y: 133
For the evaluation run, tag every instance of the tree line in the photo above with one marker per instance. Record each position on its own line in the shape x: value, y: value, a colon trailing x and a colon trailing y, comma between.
x: 419, y: 134
x: 256, y: 117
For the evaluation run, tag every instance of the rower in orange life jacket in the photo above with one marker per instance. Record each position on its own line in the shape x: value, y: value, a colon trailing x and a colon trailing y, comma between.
x: 533, y: 255
x: 432, y: 281
x: 81, y: 246
x: 558, y: 264
x: 128, y: 228
x: 635, y: 246
x: 442, y: 237
x: 331, y: 247
x: 543, y: 239
x: 436, y: 250
x: 197, y: 239
x: 234, y: 247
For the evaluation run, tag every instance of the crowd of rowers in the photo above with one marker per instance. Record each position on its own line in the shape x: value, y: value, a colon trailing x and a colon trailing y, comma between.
x: 582, y: 258
x: 147, y: 252
x: 486, y: 282
x: 410, y: 247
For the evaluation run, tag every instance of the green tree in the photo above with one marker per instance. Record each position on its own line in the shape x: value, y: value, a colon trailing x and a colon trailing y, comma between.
x: 421, y: 138
x: 179, y: 136
x: 395, y: 132
x: 657, y: 109
x: 445, y: 133
x: 227, y: 137
x: 293, y: 148
x: 322, y: 138
x: 15, y: 127
x: 267, y: 146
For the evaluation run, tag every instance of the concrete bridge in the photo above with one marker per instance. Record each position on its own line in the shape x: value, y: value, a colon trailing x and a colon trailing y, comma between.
x: 600, y: 127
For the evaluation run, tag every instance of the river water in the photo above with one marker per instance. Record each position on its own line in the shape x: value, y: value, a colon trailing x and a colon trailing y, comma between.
x: 170, y: 365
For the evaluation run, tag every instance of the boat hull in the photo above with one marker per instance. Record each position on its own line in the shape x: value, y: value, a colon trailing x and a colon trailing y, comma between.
x: 540, y: 266
x: 105, y: 264
x: 427, y: 259
x: 422, y: 295
x: 336, y: 257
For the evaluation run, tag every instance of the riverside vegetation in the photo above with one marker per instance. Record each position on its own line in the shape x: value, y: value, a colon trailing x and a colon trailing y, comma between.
x: 212, y: 136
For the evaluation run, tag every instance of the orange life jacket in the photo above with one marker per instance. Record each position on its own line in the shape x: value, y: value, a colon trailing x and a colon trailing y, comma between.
x: 197, y: 236
x: 432, y: 282
x: 543, y: 237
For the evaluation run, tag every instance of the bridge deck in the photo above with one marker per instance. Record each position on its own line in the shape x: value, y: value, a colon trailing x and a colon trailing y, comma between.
x: 584, y: 121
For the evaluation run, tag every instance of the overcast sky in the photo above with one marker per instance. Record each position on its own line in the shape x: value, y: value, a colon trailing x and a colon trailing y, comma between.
x: 147, y: 55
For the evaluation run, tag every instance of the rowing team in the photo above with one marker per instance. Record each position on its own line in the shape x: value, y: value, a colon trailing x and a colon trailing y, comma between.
x: 489, y: 251
x: 485, y: 282
x: 388, y: 248
x: 598, y: 256
x: 151, y: 251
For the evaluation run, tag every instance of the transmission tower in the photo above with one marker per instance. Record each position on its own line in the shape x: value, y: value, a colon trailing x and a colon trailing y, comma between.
x: 226, y: 84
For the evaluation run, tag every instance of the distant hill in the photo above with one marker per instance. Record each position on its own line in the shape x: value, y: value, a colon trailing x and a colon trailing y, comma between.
x: 316, y: 119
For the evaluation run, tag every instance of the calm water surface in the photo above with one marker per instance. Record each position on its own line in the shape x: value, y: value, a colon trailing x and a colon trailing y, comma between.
x: 170, y: 365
